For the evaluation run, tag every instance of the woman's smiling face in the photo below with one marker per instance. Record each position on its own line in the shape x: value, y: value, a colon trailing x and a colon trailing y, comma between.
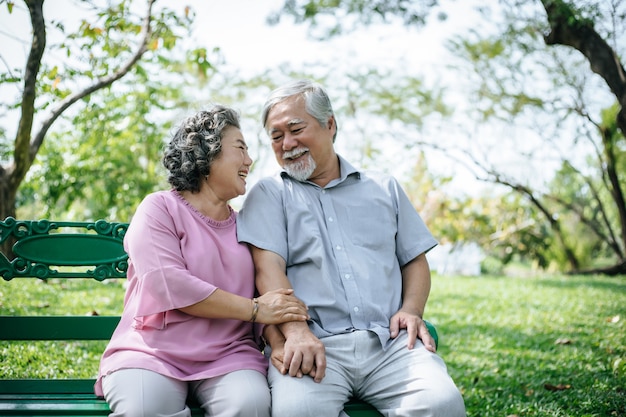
x: 229, y: 171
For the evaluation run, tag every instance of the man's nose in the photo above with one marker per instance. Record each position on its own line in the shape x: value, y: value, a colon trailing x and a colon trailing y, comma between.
x: 289, y: 142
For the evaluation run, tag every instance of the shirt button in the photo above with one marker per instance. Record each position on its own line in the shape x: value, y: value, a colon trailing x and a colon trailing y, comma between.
x: 347, y: 276
x: 338, y: 247
x: 330, y: 219
x: 356, y: 309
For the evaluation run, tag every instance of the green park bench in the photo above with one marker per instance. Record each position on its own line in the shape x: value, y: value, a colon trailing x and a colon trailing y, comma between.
x: 44, y: 249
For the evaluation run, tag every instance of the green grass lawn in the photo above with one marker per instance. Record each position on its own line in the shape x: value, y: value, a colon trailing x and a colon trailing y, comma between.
x: 540, y: 346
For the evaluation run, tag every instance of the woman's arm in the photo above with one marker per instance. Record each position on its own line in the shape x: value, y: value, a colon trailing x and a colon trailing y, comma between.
x: 274, y: 307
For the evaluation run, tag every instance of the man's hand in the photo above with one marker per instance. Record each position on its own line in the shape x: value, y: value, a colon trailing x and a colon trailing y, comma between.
x: 304, y: 354
x: 415, y: 328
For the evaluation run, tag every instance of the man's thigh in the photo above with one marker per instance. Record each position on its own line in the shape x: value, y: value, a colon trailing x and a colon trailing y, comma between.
x: 413, y: 382
x: 303, y: 397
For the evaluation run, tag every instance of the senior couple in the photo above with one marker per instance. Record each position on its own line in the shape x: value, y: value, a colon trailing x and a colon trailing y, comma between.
x: 324, y: 263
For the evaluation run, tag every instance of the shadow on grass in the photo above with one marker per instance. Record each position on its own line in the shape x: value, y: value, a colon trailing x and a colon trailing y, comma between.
x: 600, y: 283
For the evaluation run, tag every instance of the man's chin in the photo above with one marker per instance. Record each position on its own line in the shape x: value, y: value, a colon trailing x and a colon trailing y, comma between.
x: 298, y: 174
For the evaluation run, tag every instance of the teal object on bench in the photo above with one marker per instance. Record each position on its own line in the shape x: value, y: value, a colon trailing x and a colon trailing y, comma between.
x: 46, y: 249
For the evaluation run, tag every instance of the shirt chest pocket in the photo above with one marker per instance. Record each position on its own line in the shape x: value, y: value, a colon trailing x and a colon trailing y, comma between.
x: 370, y: 227
x: 304, y: 237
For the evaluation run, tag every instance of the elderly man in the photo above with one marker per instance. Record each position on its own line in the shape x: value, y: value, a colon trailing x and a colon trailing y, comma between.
x: 353, y: 248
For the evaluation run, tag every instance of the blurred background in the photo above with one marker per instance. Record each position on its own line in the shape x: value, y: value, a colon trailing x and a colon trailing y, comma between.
x: 503, y: 120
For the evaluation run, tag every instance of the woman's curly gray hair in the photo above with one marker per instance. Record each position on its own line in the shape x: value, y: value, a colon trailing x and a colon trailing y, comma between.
x: 195, y: 145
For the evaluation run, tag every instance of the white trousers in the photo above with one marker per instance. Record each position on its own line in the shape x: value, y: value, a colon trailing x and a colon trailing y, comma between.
x: 142, y: 393
x: 397, y: 381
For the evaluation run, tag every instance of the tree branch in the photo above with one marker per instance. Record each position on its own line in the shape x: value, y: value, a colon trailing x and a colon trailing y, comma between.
x: 101, y: 83
x: 569, y: 30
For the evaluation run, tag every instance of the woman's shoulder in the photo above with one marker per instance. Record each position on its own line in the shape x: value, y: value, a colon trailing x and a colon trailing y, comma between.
x: 159, y: 201
x: 161, y: 196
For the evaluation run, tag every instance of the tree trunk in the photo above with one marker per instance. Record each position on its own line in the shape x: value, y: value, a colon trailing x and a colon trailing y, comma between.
x: 567, y: 28
x: 7, y: 209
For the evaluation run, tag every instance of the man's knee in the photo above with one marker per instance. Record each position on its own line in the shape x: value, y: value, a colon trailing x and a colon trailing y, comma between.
x: 446, y: 403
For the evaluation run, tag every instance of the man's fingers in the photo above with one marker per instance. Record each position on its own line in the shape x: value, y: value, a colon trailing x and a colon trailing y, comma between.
x: 294, y: 364
x: 428, y: 341
x: 307, y: 364
x: 394, y: 327
x: 320, y: 368
x: 411, y: 329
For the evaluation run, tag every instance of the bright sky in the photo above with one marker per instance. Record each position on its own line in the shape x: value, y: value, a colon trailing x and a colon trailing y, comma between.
x: 239, y: 28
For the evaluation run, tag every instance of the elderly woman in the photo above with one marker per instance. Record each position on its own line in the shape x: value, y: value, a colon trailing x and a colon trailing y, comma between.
x: 188, y: 325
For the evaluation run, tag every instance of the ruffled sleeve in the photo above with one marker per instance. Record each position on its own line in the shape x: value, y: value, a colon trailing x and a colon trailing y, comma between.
x: 159, y: 279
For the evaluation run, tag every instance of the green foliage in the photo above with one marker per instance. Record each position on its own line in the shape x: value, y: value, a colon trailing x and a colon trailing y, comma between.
x: 104, y: 166
x: 335, y: 17
x: 405, y: 99
x: 104, y: 156
x: 520, y: 81
x: 506, y: 227
x: 499, y: 91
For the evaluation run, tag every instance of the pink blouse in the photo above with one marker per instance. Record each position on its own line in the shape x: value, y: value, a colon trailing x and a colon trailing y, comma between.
x: 178, y: 257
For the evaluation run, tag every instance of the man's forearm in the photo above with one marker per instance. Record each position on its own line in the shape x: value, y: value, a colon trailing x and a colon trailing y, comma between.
x: 272, y: 335
x: 270, y: 275
x: 416, y: 285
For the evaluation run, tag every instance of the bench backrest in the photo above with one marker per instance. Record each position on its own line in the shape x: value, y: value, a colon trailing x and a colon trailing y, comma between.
x: 45, y: 249
x: 49, y: 249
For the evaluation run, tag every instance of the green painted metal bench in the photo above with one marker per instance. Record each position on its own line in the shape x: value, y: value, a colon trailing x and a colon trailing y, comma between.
x: 46, y: 249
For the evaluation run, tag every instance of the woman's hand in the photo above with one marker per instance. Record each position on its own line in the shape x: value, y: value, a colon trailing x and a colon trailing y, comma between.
x: 280, y: 306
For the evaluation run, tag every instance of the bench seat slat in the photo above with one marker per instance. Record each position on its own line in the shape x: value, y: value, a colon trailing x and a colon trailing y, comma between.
x: 55, y: 404
x: 68, y: 406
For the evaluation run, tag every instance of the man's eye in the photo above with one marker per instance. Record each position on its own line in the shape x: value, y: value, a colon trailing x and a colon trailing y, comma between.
x: 277, y: 138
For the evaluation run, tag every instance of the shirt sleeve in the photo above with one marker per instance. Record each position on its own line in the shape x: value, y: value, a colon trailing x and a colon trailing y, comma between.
x: 261, y: 219
x: 160, y: 279
x: 413, y: 237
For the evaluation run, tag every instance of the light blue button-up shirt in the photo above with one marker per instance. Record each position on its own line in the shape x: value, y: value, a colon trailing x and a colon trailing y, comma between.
x: 343, y: 244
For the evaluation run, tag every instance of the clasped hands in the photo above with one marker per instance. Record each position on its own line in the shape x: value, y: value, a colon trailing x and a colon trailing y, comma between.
x: 302, y: 353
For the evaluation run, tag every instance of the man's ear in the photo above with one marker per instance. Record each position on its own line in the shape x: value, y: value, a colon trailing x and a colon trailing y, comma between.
x: 331, y: 122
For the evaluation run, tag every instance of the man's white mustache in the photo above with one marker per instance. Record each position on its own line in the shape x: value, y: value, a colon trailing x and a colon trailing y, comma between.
x: 294, y: 152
